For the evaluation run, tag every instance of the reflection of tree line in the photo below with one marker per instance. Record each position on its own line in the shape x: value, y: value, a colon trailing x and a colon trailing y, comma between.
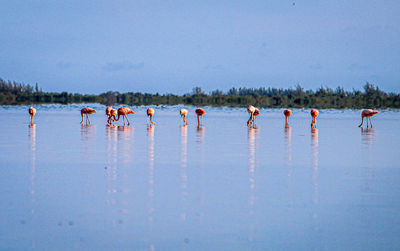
x: 15, y: 93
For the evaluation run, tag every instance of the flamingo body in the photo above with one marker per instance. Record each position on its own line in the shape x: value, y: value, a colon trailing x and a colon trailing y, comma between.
x: 86, y: 111
x: 150, y: 113
x: 314, y: 114
x: 200, y: 112
x: 251, y: 110
x: 32, y: 112
x: 111, y: 116
x: 124, y: 111
x: 367, y: 113
x: 183, y: 113
x: 287, y: 113
x: 108, y: 110
x: 255, y: 114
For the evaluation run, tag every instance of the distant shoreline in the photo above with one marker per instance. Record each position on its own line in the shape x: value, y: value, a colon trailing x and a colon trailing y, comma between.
x: 12, y: 93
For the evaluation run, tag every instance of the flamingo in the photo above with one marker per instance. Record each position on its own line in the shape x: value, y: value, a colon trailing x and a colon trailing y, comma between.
x: 251, y: 109
x: 86, y: 111
x: 111, y: 116
x: 150, y: 113
x: 124, y: 111
x: 32, y: 112
x: 200, y: 112
x: 367, y: 113
x: 183, y: 113
x: 314, y: 114
x: 108, y: 113
x: 108, y: 110
x: 287, y: 113
x: 256, y: 113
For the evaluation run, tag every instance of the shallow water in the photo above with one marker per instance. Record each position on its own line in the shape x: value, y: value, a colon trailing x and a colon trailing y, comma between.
x: 64, y: 186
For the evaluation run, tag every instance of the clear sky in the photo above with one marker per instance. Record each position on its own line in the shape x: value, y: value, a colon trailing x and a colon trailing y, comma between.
x: 172, y: 46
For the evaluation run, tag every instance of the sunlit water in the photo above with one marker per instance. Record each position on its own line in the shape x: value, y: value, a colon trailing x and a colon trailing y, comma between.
x: 64, y: 186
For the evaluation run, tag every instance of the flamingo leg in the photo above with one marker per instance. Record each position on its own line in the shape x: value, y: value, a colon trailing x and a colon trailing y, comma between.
x: 370, y: 121
x: 82, y: 118
x: 367, y: 122
x: 151, y: 119
x: 362, y: 122
x: 313, y: 123
x: 250, y: 119
x: 127, y: 120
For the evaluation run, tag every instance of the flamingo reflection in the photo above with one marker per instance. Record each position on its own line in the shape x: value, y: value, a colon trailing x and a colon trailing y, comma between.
x: 314, y: 147
x: 150, y: 167
x: 252, y: 137
x: 184, y: 177
x: 111, y: 168
x: 87, y: 132
x: 125, y: 143
x: 368, y: 138
x: 32, y: 148
x: 200, y: 154
x: 288, y: 150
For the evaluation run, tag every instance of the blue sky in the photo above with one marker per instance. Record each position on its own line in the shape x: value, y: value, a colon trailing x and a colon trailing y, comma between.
x: 173, y: 46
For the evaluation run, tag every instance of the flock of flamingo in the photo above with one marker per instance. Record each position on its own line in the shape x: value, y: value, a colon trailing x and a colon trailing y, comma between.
x: 253, y: 112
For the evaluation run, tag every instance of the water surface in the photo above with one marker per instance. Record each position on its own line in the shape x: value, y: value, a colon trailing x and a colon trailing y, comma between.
x: 64, y: 186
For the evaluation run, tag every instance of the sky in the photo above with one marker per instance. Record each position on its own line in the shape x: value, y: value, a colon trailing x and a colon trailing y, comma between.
x: 173, y: 46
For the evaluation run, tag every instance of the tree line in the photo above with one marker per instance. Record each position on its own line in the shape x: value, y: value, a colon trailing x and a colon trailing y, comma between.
x: 13, y: 93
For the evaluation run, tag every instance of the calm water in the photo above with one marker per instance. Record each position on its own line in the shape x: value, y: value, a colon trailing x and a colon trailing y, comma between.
x: 64, y: 186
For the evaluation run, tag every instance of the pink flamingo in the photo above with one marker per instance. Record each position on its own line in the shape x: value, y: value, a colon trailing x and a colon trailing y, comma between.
x: 124, y: 111
x: 255, y: 114
x: 200, y: 112
x: 183, y: 113
x: 314, y: 114
x: 111, y: 116
x: 250, y: 109
x: 367, y: 113
x: 287, y: 113
x: 32, y: 112
x: 86, y: 111
x: 108, y: 110
x: 150, y: 113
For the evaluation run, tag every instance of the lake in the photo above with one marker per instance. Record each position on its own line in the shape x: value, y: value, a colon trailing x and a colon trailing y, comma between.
x: 64, y: 186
